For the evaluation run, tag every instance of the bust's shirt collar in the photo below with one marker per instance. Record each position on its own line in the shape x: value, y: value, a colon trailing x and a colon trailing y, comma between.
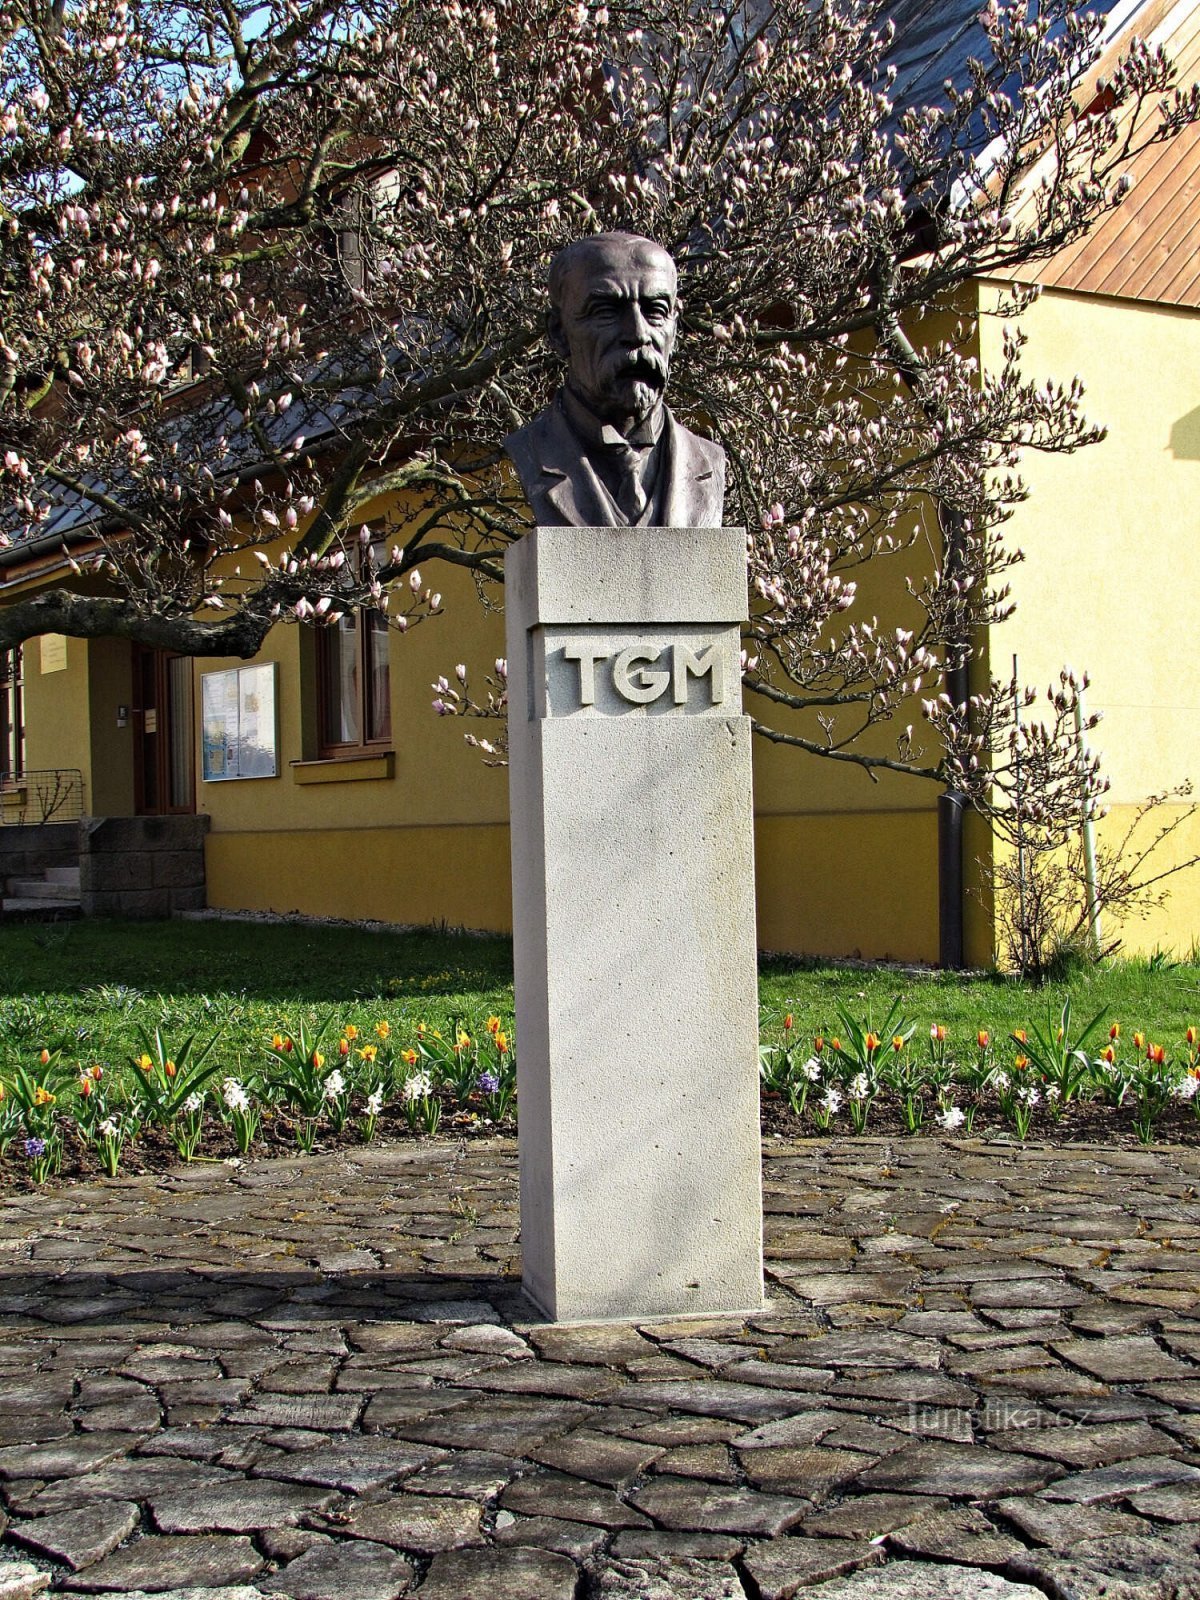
x: 588, y: 427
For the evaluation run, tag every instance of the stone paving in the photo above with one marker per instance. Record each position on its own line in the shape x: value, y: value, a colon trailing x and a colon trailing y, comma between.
x: 978, y: 1378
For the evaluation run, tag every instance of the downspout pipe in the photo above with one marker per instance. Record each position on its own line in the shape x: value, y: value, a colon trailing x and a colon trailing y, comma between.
x: 952, y: 808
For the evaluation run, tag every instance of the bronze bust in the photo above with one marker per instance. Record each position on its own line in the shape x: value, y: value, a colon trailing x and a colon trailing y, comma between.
x: 606, y: 451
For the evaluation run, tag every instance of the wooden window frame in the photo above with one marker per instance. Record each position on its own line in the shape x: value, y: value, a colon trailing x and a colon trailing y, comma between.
x: 12, y: 715
x: 330, y: 749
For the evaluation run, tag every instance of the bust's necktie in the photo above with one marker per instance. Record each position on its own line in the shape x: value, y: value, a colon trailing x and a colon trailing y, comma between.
x: 631, y: 496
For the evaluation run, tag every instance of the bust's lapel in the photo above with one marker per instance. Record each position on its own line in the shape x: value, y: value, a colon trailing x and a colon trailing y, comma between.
x: 567, y: 483
x: 696, y: 483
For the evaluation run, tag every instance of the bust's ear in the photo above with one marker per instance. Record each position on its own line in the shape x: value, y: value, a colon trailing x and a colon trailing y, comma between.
x: 556, y: 333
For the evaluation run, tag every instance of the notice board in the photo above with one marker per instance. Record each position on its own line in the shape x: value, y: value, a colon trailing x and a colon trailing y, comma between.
x: 238, y: 716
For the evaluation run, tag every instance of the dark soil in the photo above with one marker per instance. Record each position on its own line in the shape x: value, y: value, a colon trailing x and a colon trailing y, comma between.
x: 153, y: 1152
x: 1088, y: 1123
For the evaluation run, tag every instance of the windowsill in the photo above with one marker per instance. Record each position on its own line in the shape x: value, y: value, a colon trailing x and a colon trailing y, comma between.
x: 356, y: 768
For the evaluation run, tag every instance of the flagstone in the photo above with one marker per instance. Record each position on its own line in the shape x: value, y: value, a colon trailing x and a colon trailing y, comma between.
x: 636, y: 1542
x: 666, y: 1577
x: 420, y: 1524
x: 868, y: 1516
x: 962, y: 1535
x: 167, y: 1561
x: 935, y: 1466
x: 783, y: 1567
x: 79, y: 1537
x: 64, y: 1458
x: 322, y: 1412
x: 684, y: 1503
x: 355, y: 1570
x: 1130, y: 1359
x: 1119, y: 1568
x: 556, y: 1494
x: 1124, y: 1478
x: 236, y: 1507
x: 1173, y: 1502
x: 21, y: 1580
x: 711, y: 1462
x: 812, y: 1472
x: 579, y: 1540
x: 911, y: 1580
x: 1057, y: 1524
x: 602, y: 1458
x: 520, y: 1573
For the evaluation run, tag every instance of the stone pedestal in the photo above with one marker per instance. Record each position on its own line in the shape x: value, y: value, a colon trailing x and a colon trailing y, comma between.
x: 633, y: 916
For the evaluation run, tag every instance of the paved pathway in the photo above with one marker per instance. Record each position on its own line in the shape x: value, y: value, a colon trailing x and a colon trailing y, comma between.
x: 979, y: 1377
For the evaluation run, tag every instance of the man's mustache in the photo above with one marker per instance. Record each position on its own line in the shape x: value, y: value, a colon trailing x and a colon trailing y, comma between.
x: 641, y: 366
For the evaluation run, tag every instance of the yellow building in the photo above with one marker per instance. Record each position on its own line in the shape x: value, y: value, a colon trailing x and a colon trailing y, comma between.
x: 331, y: 789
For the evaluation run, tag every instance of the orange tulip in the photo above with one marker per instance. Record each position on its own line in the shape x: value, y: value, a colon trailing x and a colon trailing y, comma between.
x: 872, y: 1043
x: 1115, y: 1031
x: 983, y: 1038
x: 897, y: 1042
x: 44, y: 1058
x: 787, y: 1023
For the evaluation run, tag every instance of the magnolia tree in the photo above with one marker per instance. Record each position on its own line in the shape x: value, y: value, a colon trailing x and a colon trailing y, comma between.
x: 264, y: 264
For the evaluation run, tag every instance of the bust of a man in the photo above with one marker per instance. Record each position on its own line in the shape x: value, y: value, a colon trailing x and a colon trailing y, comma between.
x: 607, y: 452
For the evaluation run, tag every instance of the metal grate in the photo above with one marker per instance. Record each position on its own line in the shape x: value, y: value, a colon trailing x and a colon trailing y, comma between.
x: 47, y: 794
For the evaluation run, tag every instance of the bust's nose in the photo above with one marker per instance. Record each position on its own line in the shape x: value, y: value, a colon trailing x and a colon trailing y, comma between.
x: 634, y: 327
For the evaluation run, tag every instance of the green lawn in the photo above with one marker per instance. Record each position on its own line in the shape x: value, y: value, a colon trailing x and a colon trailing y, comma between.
x: 100, y: 980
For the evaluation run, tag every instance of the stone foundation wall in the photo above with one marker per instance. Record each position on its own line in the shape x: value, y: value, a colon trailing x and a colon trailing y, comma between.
x: 141, y: 866
x: 26, y: 851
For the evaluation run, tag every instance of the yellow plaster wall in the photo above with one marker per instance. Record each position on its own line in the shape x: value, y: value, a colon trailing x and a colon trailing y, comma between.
x: 110, y: 685
x: 1112, y: 544
x: 57, y: 730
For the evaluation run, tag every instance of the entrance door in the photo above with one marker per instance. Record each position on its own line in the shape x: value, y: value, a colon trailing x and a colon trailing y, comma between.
x: 164, y: 733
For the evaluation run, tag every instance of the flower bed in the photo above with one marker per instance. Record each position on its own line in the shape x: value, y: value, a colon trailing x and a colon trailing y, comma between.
x: 1052, y: 1073
x: 336, y: 1082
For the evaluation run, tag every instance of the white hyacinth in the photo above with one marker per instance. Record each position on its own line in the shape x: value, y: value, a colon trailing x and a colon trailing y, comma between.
x: 375, y: 1102
x: 1186, y: 1088
x: 832, y: 1100
x: 193, y: 1103
x: 952, y: 1118
x: 811, y: 1069
x: 234, y: 1096
x: 1029, y: 1096
x: 859, y: 1087
x: 108, y: 1128
x: 335, y: 1085
x: 418, y: 1087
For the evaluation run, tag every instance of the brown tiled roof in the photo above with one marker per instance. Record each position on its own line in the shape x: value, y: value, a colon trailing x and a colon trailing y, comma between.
x: 1148, y: 248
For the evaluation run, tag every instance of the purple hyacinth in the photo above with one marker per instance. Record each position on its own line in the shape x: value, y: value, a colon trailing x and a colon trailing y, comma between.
x: 35, y: 1147
x: 489, y: 1082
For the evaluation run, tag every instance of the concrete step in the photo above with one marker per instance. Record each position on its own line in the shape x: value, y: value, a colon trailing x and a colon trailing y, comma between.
x: 16, y: 908
x: 39, y: 889
x: 67, y: 875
